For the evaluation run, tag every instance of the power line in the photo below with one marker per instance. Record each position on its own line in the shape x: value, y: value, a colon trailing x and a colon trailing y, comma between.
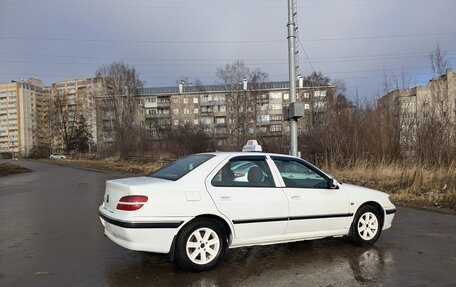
x: 222, y: 7
x: 202, y: 63
x: 202, y: 41
x: 305, y: 53
x: 380, y: 37
x: 143, y: 41
x: 357, y: 57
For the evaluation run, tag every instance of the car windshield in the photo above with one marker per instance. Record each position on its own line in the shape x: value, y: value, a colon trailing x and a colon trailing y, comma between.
x: 181, y: 167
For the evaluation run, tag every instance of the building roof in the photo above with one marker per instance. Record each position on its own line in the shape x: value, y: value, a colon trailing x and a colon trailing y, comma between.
x: 218, y: 88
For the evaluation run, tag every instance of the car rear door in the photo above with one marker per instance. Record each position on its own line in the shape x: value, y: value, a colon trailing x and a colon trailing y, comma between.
x: 314, y: 207
x: 249, y: 197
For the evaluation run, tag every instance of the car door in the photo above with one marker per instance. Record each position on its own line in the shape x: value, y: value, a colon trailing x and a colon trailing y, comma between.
x: 244, y: 190
x: 314, y: 206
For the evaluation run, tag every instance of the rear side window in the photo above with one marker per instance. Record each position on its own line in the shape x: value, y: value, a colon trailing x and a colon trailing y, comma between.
x: 181, y: 167
x: 244, y: 172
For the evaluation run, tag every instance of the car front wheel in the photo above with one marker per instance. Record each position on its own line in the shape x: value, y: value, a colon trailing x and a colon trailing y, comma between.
x: 366, y: 226
x: 200, y: 245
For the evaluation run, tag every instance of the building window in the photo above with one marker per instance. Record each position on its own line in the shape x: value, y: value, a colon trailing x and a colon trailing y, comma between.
x: 262, y: 119
x: 275, y: 95
x: 195, y: 111
x: 306, y: 95
x: 206, y: 120
x: 176, y: 122
x: 220, y: 120
x: 176, y: 111
x: 285, y: 96
x: 186, y: 111
x: 275, y: 106
x: 195, y: 122
x: 275, y: 128
x: 175, y: 100
x: 320, y: 94
x: 185, y: 100
x: 276, y: 117
x: 195, y: 100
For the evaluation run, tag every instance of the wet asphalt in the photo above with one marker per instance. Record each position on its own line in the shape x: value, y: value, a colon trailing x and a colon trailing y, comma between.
x: 50, y: 235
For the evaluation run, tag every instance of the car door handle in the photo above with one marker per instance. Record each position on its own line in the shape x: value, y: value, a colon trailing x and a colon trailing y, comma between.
x: 296, y: 197
x: 226, y: 197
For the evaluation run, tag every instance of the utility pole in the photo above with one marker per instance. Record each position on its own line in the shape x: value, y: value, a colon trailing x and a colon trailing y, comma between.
x: 292, y: 72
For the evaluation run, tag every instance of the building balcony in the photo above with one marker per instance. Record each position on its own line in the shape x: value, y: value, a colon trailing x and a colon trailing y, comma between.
x: 219, y: 114
x: 155, y: 116
x: 151, y: 105
x: 262, y: 101
x: 212, y: 103
x: 162, y: 104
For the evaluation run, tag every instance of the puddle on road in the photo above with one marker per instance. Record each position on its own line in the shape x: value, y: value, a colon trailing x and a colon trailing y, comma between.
x: 317, y: 263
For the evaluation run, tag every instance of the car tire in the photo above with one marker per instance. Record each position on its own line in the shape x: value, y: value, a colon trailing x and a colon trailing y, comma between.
x: 366, y: 226
x: 200, y: 245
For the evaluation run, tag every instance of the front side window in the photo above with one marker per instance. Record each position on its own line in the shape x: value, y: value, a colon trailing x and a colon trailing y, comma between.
x: 244, y: 172
x: 181, y: 167
x: 299, y: 174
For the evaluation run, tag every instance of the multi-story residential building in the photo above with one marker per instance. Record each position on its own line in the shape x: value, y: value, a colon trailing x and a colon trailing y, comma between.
x: 406, y: 109
x: 224, y: 112
x: 77, y: 98
x: 18, y: 121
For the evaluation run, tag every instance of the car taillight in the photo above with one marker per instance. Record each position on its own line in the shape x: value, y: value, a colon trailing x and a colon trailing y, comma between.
x: 239, y: 174
x: 131, y: 202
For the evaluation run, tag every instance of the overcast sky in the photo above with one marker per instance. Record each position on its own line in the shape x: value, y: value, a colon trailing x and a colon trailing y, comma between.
x: 354, y: 40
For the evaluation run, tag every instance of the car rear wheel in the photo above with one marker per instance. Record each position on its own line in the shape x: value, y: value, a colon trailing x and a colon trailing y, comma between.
x: 366, y: 226
x: 200, y: 245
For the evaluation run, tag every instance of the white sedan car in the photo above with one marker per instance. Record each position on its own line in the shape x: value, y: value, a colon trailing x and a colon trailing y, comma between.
x: 57, y: 156
x: 194, y: 209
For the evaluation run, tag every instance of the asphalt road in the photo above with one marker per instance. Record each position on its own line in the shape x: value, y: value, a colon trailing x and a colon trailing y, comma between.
x: 50, y: 235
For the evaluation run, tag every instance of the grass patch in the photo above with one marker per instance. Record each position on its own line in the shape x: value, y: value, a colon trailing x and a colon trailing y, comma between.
x: 428, y: 187
x: 412, y: 185
x: 10, y: 169
x: 113, y: 164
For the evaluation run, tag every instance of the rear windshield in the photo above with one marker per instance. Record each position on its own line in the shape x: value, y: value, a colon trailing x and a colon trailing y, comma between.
x: 181, y: 167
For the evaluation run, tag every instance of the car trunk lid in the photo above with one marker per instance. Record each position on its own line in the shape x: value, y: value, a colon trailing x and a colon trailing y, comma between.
x: 118, y: 188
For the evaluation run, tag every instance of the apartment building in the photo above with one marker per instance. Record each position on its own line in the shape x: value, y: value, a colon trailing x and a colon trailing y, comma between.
x: 406, y: 109
x: 18, y: 121
x: 77, y: 97
x: 224, y: 112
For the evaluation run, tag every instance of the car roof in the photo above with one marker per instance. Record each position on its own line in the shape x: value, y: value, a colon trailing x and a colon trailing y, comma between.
x: 237, y: 153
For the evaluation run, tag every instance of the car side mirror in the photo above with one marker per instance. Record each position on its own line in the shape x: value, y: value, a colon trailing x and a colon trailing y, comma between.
x: 332, y: 184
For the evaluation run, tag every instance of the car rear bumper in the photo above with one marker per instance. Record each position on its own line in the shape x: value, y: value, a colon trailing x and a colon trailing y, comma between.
x: 154, y: 235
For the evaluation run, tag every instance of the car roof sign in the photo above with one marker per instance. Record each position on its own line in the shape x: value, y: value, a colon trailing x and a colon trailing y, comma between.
x: 252, y: 145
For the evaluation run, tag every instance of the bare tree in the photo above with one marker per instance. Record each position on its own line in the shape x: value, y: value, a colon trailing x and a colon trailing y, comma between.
x: 241, y: 102
x: 439, y: 61
x: 64, y: 114
x: 122, y: 82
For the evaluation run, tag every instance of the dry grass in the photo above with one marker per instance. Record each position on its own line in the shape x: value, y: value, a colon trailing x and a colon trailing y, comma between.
x: 415, y: 185
x: 10, y: 169
x: 412, y: 185
x: 114, y: 164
